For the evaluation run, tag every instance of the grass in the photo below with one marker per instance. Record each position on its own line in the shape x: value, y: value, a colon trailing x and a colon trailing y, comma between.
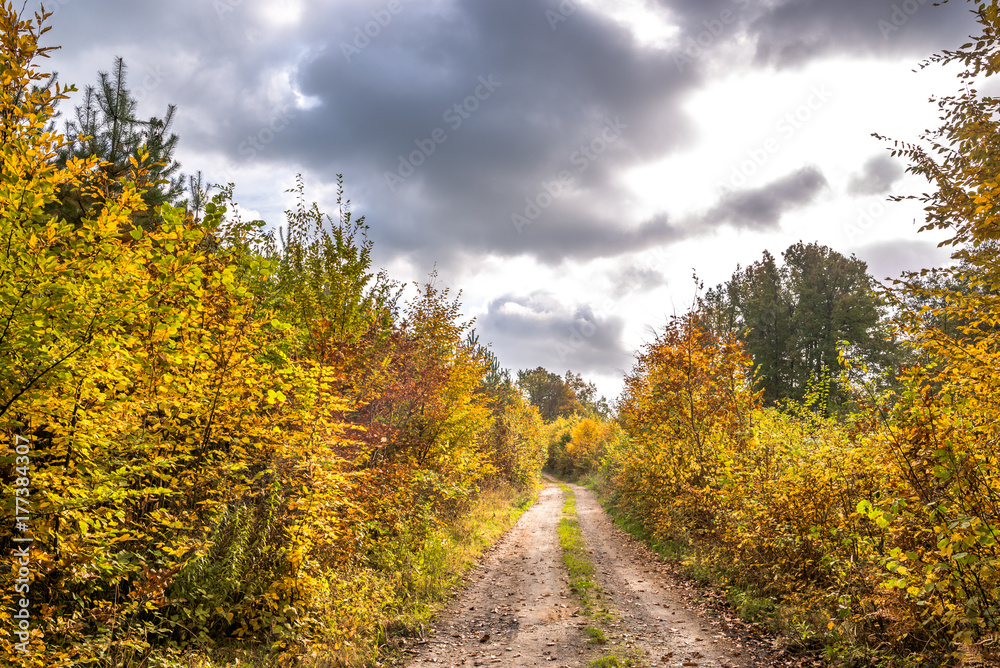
x: 596, y: 635
x: 577, y: 559
x: 439, y: 569
x: 615, y: 661
x: 584, y: 583
x: 423, y: 580
x: 618, y: 659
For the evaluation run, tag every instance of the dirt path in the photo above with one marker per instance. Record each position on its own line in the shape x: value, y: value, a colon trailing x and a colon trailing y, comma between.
x: 660, y: 613
x: 518, y: 610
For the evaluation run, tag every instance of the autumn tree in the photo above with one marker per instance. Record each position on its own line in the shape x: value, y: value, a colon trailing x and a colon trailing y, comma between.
x: 61, y: 287
x: 942, y: 440
x: 686, y: 405
x: 549, y: 392
x: 556, y: 396
x: 577, y: 444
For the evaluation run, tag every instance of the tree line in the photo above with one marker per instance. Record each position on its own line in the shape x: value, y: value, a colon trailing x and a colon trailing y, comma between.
x: 217, y: 433
x: 226, y: 433
x: 825, y: 448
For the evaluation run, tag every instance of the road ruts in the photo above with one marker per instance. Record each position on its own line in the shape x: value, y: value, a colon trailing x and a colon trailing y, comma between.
x: 518, y: 610
x: 655, y: 608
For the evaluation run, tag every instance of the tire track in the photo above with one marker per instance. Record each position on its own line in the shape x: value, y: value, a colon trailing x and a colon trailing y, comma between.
x: 657, y: 615
x: 518, y: 610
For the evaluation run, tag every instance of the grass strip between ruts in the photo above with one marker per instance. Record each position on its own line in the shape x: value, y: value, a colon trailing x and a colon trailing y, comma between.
x: 584, y: 583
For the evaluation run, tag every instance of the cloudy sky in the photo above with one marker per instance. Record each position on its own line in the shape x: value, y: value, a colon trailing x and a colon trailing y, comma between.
x: 567, y: 164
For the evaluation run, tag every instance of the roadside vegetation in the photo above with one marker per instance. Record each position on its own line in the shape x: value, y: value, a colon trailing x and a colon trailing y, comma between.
x: 222, y: 443
x: 230, y: 446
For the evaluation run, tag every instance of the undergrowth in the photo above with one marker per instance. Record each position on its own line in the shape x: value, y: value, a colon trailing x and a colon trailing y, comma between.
x: 433, y: 573
x: 750, y: 604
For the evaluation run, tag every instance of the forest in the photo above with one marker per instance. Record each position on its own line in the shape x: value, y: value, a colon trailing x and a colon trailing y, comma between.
x: 226, y: 445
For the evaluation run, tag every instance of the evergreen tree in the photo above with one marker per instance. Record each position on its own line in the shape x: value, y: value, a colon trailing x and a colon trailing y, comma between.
x: 108, y: 126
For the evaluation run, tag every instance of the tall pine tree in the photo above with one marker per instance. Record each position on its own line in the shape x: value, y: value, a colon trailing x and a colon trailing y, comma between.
x: 108, y: 126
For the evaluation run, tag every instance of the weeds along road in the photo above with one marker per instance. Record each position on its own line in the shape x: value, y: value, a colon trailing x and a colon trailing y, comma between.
x: 518, y: 609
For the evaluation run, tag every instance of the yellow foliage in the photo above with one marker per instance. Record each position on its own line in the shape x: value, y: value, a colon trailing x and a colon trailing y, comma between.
x: 221, y: 438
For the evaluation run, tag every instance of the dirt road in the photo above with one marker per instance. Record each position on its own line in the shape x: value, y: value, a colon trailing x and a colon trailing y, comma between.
x: 518, y: 610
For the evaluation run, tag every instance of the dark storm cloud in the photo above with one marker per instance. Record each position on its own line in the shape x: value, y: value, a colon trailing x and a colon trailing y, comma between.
x: 632, y: 279
x: 877, y: 176
x: 580, y: 234
x: 762, y: 208
x: 449, y: 120
x: 481, y: 129
x: 465, y: 127
x: 539, y: 329
x: 793, y: 32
